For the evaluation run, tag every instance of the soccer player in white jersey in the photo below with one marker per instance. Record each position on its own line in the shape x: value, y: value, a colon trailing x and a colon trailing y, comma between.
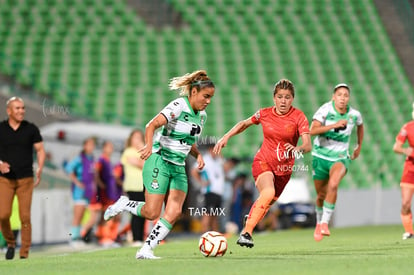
x: 332, y: 125
x: 164, y: 173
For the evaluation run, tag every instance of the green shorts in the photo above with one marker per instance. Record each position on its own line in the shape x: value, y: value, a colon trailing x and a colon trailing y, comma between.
x: 321, y: 167
x: 160, y: 176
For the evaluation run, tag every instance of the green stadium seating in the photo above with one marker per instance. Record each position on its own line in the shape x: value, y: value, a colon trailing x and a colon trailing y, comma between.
x: 103, y: 61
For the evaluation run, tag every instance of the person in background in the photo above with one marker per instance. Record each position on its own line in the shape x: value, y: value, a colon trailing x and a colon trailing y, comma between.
x: 211, y: 178
x: 230, y: 174
x: 18, y: 138
x: 406, y: 134
x: 107, y: 194
x: 81, y: 171
x: 118, y: 233
x: 133, y: 184
x: 14, y: 223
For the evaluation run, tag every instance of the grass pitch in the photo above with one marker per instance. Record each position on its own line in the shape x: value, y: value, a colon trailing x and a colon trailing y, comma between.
x: 358, y: 250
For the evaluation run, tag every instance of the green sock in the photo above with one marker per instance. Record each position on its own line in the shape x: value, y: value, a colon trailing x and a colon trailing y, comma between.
x: 134, y: 207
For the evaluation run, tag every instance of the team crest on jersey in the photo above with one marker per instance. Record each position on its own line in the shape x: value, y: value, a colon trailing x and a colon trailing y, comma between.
x: 202, y: 120
x: 351, y: 119
x: 289, y: 128
x: 155, y: 184
x: 172, y: 115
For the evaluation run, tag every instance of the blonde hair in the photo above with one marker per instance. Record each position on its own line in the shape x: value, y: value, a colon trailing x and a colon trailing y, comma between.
x: 184, y: 83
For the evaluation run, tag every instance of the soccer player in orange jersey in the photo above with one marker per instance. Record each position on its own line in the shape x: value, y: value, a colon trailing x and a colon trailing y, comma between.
x: 274, y: 162
x: 407, y: 180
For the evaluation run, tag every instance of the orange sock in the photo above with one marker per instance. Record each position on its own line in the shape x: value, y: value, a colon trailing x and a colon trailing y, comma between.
x: 125, y: 229
x: 99, y: 231
x: 258, y: 211
x: 113, y: 228
x: 407, y: 221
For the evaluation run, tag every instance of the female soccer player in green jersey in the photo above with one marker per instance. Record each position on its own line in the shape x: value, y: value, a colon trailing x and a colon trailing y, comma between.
x: 332, y: 125
x: 164, y: 174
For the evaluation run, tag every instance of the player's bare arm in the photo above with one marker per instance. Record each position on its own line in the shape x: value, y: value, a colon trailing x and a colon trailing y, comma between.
x: 237, y: 129
x: 360, y: 137
x: 195, y: 153
x: 305, y: 147
x: 317, y: 128
x: 41, y: 156
x: 398, y: 148
x: 150, y: 128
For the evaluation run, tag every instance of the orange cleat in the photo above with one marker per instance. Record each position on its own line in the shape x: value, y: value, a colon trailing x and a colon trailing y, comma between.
x: 317, y: 235
x: 325, y: 229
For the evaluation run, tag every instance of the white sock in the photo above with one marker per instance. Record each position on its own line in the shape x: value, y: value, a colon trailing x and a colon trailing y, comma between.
x: 319, y: 212
x: 327, y: 214
x: 134, y: 207
x: 158, y: 233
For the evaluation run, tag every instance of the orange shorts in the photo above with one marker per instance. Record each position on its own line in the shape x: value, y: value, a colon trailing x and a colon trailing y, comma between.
x: 407, y: 177
x: 279, y: 181
x: 100, y: 201
x: 94, y: 203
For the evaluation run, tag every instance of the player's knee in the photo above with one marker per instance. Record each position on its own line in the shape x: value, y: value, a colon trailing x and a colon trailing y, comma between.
x: 268, y: 195
x: 321, y: 196
x: 25, y: 219
x: 333, y: 187
x: 406, y: 207
x: 149, y: 213
x: 151, y: 216
x: 172, y: 214
x: 5, y: 216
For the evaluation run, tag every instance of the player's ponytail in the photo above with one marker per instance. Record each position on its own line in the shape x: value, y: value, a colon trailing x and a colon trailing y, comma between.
x: 198, y: 79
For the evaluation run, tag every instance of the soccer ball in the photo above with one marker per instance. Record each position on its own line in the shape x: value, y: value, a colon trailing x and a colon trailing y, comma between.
x: 212, y: 244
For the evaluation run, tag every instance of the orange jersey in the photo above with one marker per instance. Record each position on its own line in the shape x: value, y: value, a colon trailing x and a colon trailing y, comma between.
x: 277, y: 131
x: 407, y: 134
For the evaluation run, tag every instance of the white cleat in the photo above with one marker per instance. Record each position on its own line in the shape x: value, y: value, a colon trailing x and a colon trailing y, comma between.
x: 407, y: 235
x: 116, y: 208
x: 146, y: 255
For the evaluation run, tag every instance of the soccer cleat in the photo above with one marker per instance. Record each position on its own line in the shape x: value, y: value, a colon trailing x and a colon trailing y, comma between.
x: 245, y: 240
x: 407, y: 235
x: 317, y: 235
x: 116, y: 208
x: 146, y: 255
x: 10, y: 253
x: 325, y: 230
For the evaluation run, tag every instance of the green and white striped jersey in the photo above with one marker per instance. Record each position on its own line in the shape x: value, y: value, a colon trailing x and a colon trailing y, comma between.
x: 182, y: 130
x: 334, y: 144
